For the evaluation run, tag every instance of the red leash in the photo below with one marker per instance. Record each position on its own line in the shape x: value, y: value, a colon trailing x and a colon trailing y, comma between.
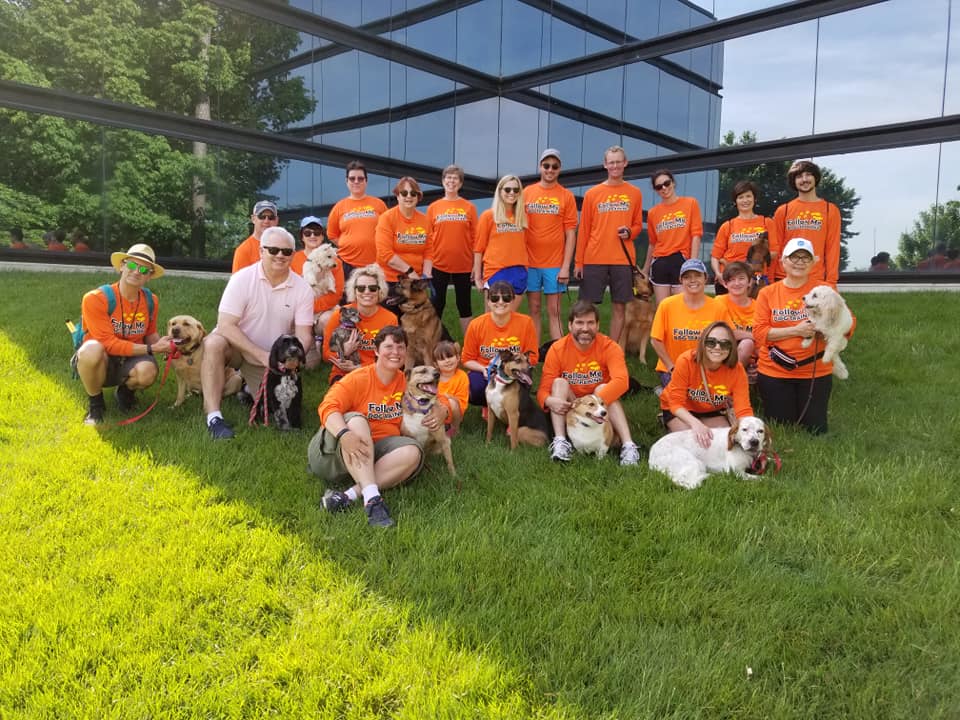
x: 172, y: 355
x: 261, y: 395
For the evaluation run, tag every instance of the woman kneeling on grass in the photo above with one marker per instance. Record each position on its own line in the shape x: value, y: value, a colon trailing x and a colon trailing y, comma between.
x: 706, y: 382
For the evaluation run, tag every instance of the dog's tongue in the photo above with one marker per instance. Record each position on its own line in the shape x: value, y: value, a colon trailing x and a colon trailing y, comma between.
x: 599, y: 419
x: 179, y: 340
x: 429, y: 387
x: 525, y: 378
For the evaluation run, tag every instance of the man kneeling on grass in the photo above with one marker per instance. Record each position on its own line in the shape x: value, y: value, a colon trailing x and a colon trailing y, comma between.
x: 360, y: 435
x: 585, y: 362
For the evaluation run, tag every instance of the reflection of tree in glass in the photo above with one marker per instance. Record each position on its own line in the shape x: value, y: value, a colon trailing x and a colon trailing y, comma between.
x: 771, y: 178
x: 935, y: 233
x: 187, y: 57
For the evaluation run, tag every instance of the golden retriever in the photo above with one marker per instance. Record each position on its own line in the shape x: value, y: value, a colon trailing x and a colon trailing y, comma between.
x: 187, y: 333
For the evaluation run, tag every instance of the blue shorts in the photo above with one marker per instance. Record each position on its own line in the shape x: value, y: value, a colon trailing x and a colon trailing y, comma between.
x: 516, y: 275
x: 544, y: 279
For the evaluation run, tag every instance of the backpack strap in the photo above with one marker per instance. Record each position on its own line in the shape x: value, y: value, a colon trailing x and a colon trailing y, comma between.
x: 111, y: 298
x: 149, y: 296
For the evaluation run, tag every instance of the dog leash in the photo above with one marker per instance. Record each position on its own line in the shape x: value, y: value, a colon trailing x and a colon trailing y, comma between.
x: 172, y: 355
x: 759, y: 464
x: 261, y: 395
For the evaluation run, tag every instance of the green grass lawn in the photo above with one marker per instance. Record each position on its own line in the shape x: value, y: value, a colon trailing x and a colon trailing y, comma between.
x: 147, y: 572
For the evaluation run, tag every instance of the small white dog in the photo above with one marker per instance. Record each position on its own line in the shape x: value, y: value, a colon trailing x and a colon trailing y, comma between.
x: 318, y: 269
x: 588, y: 426
x: 832, y: 319
x: 681, y: 457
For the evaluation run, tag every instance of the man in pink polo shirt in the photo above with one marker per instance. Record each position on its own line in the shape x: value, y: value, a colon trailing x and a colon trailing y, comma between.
x: 260, y: 303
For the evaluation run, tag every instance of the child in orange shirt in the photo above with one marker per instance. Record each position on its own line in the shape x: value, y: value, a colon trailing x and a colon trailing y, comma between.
x: 454, y: 386
x: 740, y: 306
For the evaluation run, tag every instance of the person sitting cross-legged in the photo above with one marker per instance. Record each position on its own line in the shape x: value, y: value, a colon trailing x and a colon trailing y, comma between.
x: 585, y: 362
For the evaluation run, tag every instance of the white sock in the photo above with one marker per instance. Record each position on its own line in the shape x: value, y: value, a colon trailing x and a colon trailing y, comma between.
x: 351, y: 495
x: 213, y: 416
x: 369, y: 493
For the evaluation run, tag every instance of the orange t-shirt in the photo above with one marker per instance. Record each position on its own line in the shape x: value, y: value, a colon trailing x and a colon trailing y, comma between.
x: 736, y: 236
x: 368, y: 328
x: 678, y: 327
x: 484, y: 338
x: 457, y: 386
x: 550, y: 212
x: 601, y: 363
x: 361, y: 391
x: 126, y: 327
x: 500, y: 245
x: 606, y: 208
x: 246, y: 254
x: 453, y: 224
x: 410, y: 239
x: 328, y: 300
x: 352, y: 225
x: 779, y: 306
x: 740, y: 317
x: 686, y: 388
x: 672, y: 227
x: 817, y: 221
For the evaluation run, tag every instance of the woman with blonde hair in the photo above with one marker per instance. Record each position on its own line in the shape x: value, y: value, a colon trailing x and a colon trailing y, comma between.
x: 500, y: 250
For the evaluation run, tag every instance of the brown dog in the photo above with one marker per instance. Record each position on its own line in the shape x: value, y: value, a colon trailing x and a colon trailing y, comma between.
x: 418, y: 400
x: 419, y: 321
x: 188, y: 333
x: 588, y: 426
x: 758, y: 258
x: 638, y: 318
x: 509, y: 401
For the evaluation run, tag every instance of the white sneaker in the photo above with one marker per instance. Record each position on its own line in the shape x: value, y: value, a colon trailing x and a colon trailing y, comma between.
x: 561, y: 449
x: 629, y: 454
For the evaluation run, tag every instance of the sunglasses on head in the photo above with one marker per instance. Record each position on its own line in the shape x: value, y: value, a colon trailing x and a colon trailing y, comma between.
x: 267, y: 216
x: 510, y: 190
x: 286, y: 252
x: 501, y: 298
x: 664, y: 184
x: 714, y: 342
x: 356, y: 178
x: 550, y: 166
x: 312, y: 233
x: 368, y: 288
x: 407, y: 193
x: 137, y: 267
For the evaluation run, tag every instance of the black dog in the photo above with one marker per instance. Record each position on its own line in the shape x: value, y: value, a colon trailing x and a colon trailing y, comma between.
x: 283, y: 389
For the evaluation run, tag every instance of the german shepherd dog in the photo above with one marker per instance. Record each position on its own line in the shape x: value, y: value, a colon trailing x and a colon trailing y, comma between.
x: 282, y: 390
x: 187, y: 333
x: 418, y: 400
x: 638, y: 318
x: 758, y: 258
x: 509, y: 401
x: 419, y: 321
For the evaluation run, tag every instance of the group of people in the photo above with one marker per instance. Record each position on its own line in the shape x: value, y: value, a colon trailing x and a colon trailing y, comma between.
x: 709, y: 349
x: 54, y: 240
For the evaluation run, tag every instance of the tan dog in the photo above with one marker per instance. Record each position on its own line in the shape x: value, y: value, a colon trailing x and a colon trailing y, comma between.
x: 419, y: 321
x: 418, y: 401
x: 508, y: 400
x: 188, y: 333
x: 588, y: 426
x: 638, y: 318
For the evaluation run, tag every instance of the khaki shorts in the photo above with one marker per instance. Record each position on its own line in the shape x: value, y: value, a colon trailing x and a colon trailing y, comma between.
x: 325, y: 461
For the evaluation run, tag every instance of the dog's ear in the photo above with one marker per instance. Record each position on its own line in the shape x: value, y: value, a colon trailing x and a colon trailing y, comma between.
x: 732, y: 434
x: 767, y: 439
x: 529, y: 355
x: 202, y: 330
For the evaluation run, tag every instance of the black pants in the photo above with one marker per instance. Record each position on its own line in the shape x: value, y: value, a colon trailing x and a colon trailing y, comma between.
x: 462, y: 284
x: 784, y: 400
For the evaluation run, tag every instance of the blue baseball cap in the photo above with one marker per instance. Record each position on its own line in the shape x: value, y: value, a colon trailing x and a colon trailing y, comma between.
x: 693, y: 264
x: 310, y: 220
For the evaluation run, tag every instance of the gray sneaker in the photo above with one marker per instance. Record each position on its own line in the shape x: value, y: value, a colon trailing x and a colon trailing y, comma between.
x: 561, y: 449
x: 377, y: 513
x: 629, y: 454
x: 335, y: 501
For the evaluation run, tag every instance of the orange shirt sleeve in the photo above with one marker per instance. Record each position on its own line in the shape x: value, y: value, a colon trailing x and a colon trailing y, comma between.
x: 615, y: 365
x: 458, y: 387
x: 247, y: 253
x: 550, y: 372
x: 831, y: 250
x: 586, y: 226
x: 720, y: 241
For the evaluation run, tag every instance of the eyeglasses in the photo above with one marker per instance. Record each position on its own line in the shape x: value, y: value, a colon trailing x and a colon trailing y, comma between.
x: 501, y: 298
x: 408, y: 193
x: 800, y: 259
x: 286, y: 252
x: 510, y: 190
x: 714, y: 342
x: 356, y: 178
x: 313, y: 233
x: 368, y: 288
x: 550, y: 166
x: 137, y: 267
x: 664, y: 184
x: 267, y: 216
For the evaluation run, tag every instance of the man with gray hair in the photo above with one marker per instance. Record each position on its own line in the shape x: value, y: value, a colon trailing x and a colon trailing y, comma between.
x: 260, y: 303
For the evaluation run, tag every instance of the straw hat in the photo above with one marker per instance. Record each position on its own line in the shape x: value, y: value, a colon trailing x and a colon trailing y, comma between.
x: 140, y: 252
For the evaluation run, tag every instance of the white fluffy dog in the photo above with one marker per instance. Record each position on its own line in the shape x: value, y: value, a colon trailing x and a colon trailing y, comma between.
x: 832, y: 319
x: 681, y: 457
x: 318, y: 269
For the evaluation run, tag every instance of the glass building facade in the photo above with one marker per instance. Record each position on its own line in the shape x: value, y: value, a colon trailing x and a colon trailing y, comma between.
x: 182, y: 115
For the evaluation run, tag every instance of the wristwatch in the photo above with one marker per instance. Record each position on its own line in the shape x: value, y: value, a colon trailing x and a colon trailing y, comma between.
x: 149, y: 349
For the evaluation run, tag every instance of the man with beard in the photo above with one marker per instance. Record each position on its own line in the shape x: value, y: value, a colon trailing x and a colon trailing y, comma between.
x: 585, y: 362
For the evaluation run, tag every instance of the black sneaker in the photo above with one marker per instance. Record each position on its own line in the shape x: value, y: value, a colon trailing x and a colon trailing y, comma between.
x: 126, y: 399
x: 244, y: 398
x: 219, y: 429
x: 335, y: 501
x: 94, y: 411
x: 377, y: 513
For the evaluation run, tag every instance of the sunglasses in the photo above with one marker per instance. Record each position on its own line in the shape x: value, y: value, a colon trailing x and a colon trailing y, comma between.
x: 267, y: 216
x: 368, y: 288
x: 312, y: 233
x: 664, y: 184
x: 501, y: 298
x: 356, y: 178
x: 510, y: 190
x: 286, y: 252
x: 408, y: 193
x: 550, y: 166
x: 722, y: 344
x: 137, y: 267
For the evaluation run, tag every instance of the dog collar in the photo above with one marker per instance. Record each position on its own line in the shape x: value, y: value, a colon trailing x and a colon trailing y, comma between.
x: 422, y: 406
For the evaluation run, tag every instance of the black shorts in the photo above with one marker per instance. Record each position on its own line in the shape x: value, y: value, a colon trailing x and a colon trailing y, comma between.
x: 596, y: 278
x: 668, y: 416
x: 666, y: 270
